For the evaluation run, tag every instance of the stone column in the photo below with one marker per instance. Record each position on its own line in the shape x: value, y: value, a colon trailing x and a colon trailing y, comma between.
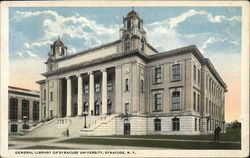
x: 69, y: 102
x: 79, y: 95
x: 104, y: 91
x: 91, y: 93
x: 118, y: 89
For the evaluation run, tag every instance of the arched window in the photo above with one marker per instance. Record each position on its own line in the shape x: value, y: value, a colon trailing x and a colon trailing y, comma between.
x: 25, y: 108
x: 127, y: 43
x: 35, y: 110
x: 13, y: 109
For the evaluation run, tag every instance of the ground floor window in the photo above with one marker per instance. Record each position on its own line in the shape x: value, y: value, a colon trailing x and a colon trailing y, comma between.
x: 195, y: 124
x: 176, y: 124
x: 13, y: 127
x: 157, y: 123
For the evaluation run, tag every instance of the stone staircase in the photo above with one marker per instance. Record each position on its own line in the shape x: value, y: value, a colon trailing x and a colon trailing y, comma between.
x: 105, y: 125
x: 57, y: 126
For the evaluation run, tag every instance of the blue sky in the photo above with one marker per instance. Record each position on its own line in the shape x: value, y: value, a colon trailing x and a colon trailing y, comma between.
x: 216, y: 31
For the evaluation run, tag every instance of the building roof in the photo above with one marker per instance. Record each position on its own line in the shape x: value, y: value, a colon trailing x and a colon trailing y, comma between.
x: 58, y: 42
x: 132, y: 12
x: 23, y: 91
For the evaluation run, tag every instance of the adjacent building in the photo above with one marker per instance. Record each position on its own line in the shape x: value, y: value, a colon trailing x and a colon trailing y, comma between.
x: 138, y: 89
x: 23, y: 109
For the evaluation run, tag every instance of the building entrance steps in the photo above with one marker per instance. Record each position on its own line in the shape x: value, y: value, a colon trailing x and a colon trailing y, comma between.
x: 104, y: 125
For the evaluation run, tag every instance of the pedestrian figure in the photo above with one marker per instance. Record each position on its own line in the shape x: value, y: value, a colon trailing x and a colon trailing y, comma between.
x: 218, y: 133
x: 215, y: 134
x: 67, y: 132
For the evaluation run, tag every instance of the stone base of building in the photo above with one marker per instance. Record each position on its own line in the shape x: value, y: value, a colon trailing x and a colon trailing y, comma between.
x: 121, y: 125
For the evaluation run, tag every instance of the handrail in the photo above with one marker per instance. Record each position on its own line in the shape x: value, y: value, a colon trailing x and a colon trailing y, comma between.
x: 100, y: 122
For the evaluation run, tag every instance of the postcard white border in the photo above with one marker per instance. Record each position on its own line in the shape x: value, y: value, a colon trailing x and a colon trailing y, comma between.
x: 139, y: 153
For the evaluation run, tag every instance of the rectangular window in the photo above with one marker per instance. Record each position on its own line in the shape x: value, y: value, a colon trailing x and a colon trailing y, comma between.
x: 127, y: 46
x: 86, y: 89
x: 35, y: 110
x: 109, y: 86
x: 13, y: 127
x: 51, y: 95
x: 13, y: 109
x: 199, y: 124
x: 139, y: 24
x: 157, y: 123
x: 176, y: 101
x: 126, y: 108
x: 158, y: 75
x: 206, y: 105
x: 199, y: 76
x: 142, y: 85
x: 176, y: 124
x: 176, y: 75
x: 44, y: 94
x: 126, y: 84
x: 195, y: 124
x: 97, y: 87
x: 129, y: 24
x: 158, y: 101
x: 194, y: 73
x: 25, y: 109
x: 198, y: 102
x: 194, y: 100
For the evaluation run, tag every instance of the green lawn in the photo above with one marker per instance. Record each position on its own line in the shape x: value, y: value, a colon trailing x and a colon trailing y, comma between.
x: 150, y: 143
x: 37, y: 139
x: 231, y: 135
x: 45, y: 147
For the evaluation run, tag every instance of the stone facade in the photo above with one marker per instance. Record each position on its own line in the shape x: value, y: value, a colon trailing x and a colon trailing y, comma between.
x: 147, y: 92
x: 23, y: 103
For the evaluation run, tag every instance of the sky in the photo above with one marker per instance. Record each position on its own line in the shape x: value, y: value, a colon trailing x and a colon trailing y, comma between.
x: 216, y: 31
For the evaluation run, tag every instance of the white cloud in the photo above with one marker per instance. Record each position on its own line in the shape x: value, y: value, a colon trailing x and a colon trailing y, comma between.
x: 173, y: 22
x: 31, y: 54
x: 37, y: 13
x: 209, y: 41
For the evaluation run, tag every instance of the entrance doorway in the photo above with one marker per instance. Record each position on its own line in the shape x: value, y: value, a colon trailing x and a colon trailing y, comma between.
x: 126, y: 127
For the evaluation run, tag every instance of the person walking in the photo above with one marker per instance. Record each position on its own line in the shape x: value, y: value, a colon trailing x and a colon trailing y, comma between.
x: 67, y: 132
x: 218, y: 133
x: 215, y: 134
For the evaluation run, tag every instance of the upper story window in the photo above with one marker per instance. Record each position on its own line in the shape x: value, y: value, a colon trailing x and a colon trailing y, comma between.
x: 157, y: 123
x: 198, y: 102
x: 109, y: 86
x: 194, y: 73
x: 51, y: 95
x: 199, y: 76
x: 176, y: 74
x: 194, y: 101
x: 97, y: 87
x: 176, y: 124
x: 35, y: 110
x: 126, y: 84
x: 129, y: 24
x: 44, y: 94
x: 139, y: 24
x: 176, y: 101
x: 127, y: 44
x: 142, y: 85
x: 86, y: 89
x: 142, y: 45
x: 13, y: 108
x: 158, y: 75
x: 25, y: 108
x: 157, y: 101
